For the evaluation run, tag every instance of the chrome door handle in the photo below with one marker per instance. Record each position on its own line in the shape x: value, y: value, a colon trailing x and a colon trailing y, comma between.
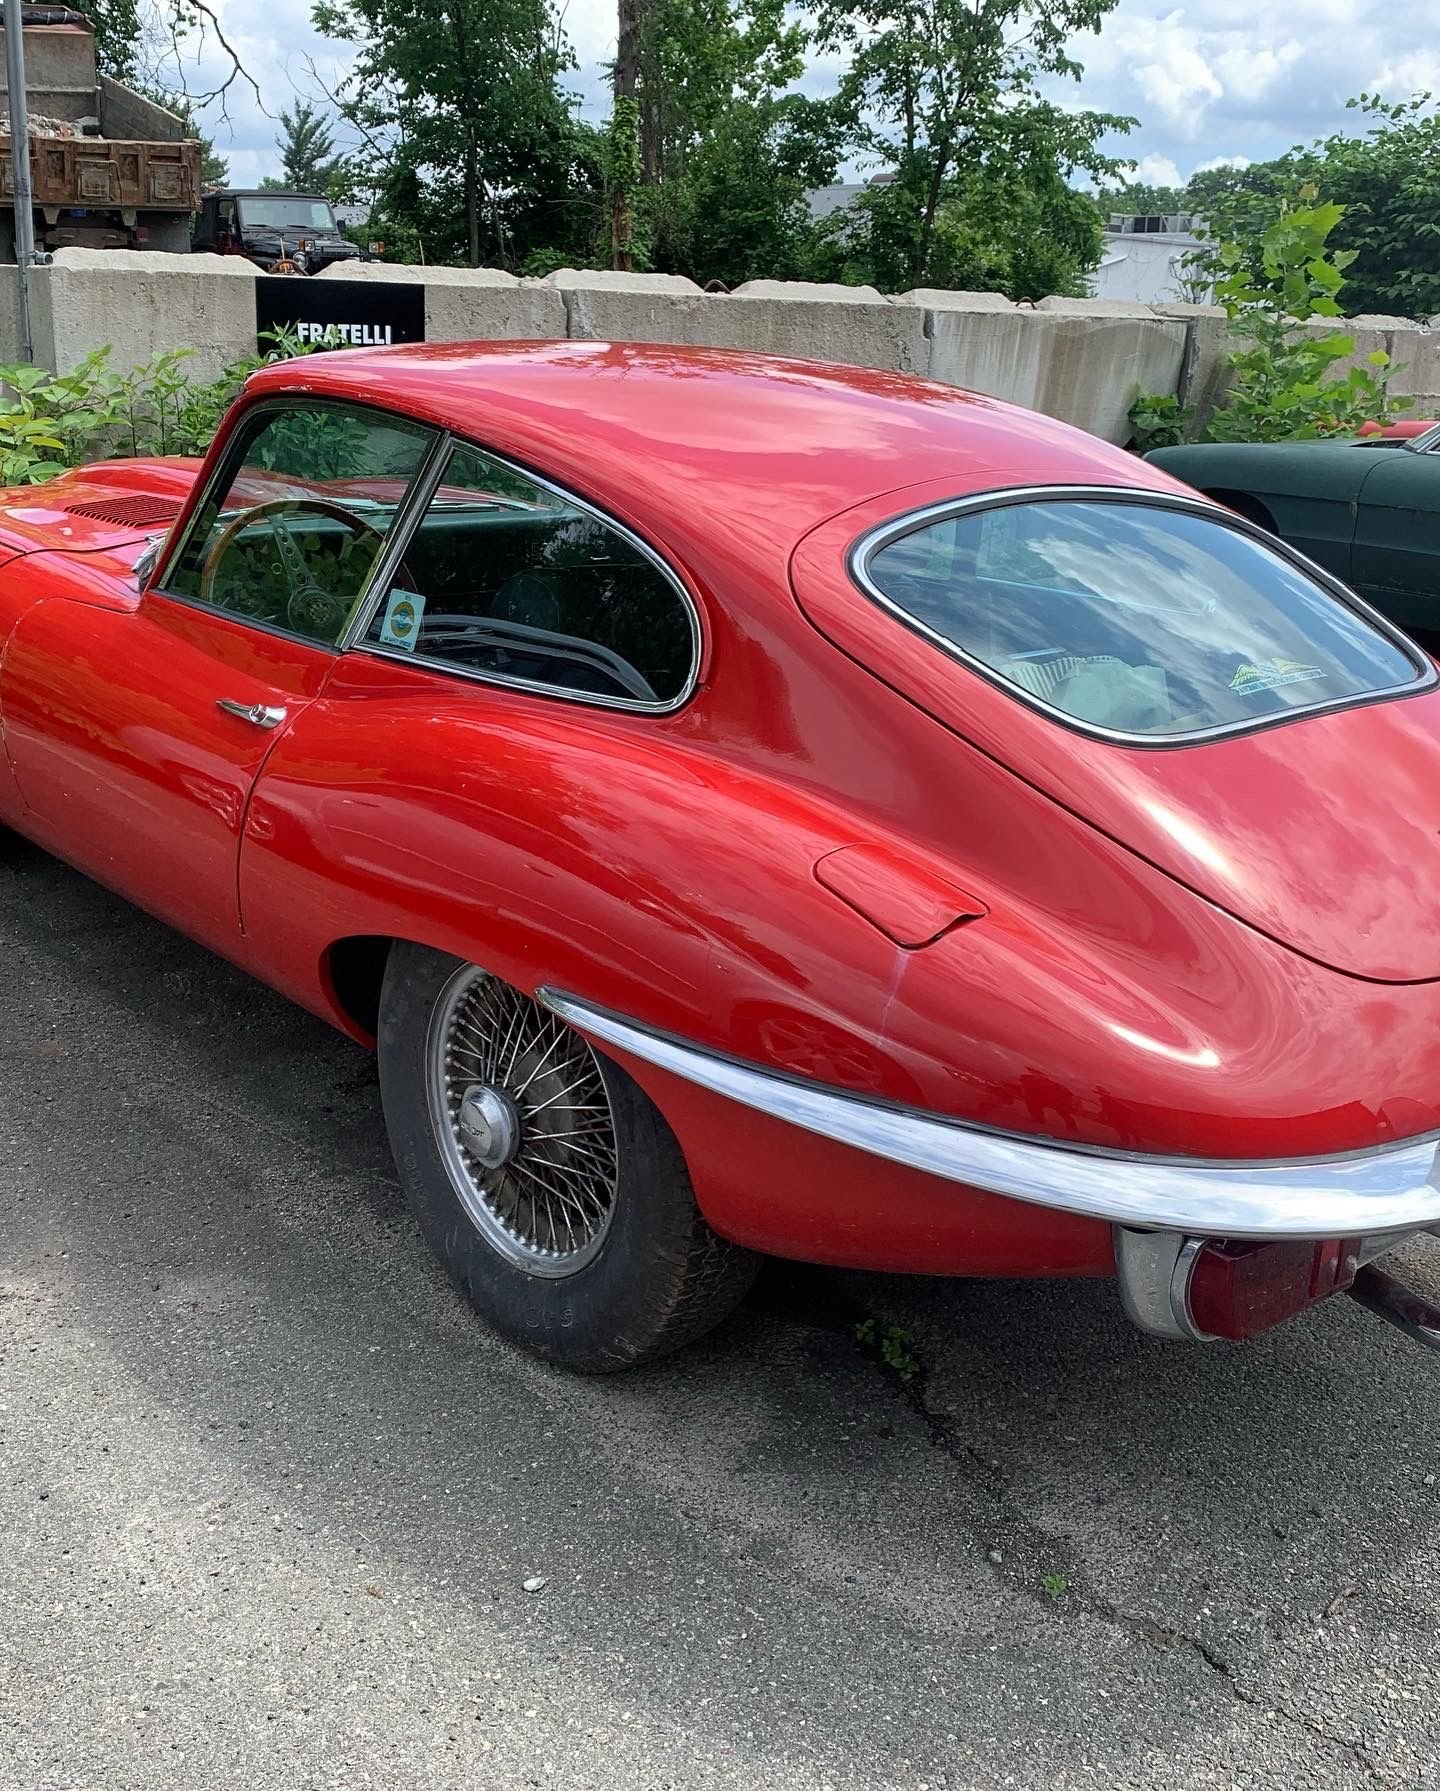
x: 259, y: 715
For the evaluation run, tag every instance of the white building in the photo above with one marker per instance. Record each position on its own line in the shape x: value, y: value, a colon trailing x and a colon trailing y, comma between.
x: 1147, y: 261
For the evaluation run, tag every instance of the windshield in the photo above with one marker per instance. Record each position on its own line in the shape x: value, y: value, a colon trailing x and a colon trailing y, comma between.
x: 1131, y: 618
x: 271, y: 212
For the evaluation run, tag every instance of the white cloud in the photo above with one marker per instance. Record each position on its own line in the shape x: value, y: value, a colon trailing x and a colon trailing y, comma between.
x: 1215, y: 80
x: 1157, y: 171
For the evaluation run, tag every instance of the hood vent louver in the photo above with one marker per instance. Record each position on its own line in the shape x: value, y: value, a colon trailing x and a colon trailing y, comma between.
x: 139, y: 512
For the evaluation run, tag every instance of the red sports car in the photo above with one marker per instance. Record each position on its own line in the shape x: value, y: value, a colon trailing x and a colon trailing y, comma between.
x: 757, y: 807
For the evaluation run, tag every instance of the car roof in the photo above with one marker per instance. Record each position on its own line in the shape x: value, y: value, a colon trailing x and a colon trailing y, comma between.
x: 266, y: 193
x: 681, y: 440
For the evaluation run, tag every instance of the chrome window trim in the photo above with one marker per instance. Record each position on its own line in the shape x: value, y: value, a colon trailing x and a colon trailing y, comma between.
x: 226, y: 466
x: 1427, y: 443
x: 412, y: 507
x: 633, y: 705
x: 1386, y: 1190
x: 874, y: 540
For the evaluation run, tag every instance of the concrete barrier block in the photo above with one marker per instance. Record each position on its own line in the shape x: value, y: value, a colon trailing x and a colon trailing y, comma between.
x: 471, y: 304
x: 1205, y: 370
x: 979, y: 340
x: 11, y: 348
x: 1367, y: 337
x: 383, y: 272
x: 939, y: 298
x: 854, y: 325
x: 477, y: 304
x: 1415, y: 349
x: 1095, y: 356
x: 849, y: 324
x: 604, y: 279
x: 1207, y: 373
x: 604, y: 306
x: 142, y: 301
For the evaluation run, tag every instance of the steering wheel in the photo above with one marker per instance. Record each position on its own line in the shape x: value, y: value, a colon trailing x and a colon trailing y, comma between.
x: 453, y: 636
x: 309, y: 609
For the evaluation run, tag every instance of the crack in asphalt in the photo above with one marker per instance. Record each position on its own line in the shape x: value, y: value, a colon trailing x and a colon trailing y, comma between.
x: 1012, y: 1527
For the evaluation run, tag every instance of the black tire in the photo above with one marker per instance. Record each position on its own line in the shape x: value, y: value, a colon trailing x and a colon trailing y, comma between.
x: 660, y: 1278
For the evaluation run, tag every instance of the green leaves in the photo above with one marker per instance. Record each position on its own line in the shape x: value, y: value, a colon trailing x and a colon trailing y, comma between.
x: 1384, y: 183
x: 51, y: 422
x: 1285, y: 385
x: 473, y: 147
x: 308, y: 162
x: 1157, y: 420
x: 949, y: 93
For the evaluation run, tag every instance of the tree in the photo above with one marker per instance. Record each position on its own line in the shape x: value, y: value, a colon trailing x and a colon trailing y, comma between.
x: 724, y: 149
x: 117, y: 27
x: 1388, y: 182
x: 1135, y: 198
x: 1286, y: 384
x: 1011, y: 224
x: 946, y: 92
x: 473, y: 85
x: 740, y: 211
x: 214, y: 169
x: 308, y: 162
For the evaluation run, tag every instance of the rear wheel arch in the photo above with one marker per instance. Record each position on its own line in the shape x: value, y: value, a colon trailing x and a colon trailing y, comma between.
x: 573, y: 1229
x: 1246, y: 504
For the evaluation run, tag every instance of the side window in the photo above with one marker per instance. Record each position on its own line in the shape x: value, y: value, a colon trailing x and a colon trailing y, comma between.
x: 505, y: 579
x: 290, y: 534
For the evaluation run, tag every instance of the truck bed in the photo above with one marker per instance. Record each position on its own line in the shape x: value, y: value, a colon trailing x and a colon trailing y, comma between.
x: 106, y: 174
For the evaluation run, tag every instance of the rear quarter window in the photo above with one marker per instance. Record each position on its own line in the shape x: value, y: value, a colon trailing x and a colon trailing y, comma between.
x: 1129, y: 618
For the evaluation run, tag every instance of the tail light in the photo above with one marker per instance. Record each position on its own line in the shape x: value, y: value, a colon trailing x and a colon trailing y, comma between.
x: 1237, y: 1290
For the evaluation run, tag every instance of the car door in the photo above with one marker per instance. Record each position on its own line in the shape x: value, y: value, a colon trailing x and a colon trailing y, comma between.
x: 454, y: 772
x: 1396, y: 559
x: 205, y: 236
x: 136, y: 732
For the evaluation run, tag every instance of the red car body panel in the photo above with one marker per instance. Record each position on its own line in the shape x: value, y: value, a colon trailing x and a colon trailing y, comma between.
x: 1197, y: 952
x: 1237, y: 819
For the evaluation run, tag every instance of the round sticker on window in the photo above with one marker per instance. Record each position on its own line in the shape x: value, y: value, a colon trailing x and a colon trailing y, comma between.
x: 402, y: 619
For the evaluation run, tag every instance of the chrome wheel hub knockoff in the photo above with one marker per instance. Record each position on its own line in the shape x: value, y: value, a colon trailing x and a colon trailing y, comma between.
x: 523, y: 1122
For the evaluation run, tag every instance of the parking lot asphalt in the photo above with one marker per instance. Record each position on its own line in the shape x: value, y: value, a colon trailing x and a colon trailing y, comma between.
x: 269, y: 1494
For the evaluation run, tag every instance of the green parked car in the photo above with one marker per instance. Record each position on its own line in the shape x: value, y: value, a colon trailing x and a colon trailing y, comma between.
x: 1366, y: 509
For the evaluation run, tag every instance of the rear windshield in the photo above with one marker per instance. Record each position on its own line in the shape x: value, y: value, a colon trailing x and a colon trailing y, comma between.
x: 1132, y: 618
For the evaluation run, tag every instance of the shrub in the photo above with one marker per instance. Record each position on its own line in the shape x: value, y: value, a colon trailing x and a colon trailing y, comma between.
x: 51, y: 422
x: 1285, y: 386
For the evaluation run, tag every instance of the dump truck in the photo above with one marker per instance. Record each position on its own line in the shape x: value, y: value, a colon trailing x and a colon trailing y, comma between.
x: 109, y: 168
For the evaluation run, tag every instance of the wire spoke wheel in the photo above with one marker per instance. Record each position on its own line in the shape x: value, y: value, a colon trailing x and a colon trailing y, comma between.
x: 524, y: 1124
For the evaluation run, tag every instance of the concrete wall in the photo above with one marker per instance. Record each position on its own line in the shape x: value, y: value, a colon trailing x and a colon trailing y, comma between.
x: 1083, y: 360
x: 141, y: 302
x: 60, y: 76
x: 126, y: 114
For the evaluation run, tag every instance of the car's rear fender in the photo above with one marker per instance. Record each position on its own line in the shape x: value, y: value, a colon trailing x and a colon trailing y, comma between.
x: 622, y: 861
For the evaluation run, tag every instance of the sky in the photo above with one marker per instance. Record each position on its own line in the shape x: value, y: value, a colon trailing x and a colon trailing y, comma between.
x: 1209, y: 80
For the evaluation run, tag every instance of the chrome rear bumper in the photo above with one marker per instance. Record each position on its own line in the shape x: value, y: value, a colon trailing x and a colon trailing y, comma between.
x: 1365, y: 1194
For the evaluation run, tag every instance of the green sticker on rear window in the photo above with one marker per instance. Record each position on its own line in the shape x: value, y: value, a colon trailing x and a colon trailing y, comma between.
x: 1270, y: 674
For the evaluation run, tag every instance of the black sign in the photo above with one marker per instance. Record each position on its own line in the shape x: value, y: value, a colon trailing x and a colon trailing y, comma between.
x: 339, y: 313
